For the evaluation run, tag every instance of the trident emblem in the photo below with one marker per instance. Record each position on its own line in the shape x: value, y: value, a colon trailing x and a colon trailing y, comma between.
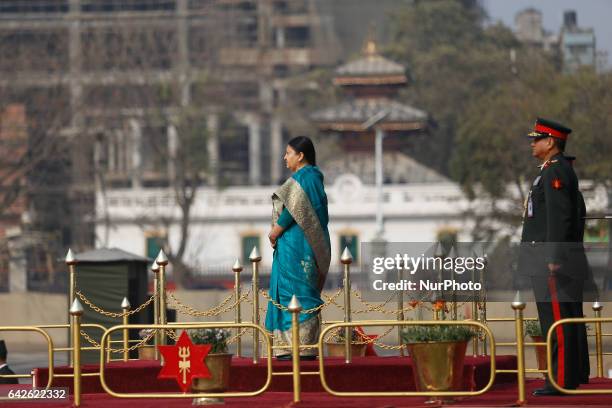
x: 185, y: 363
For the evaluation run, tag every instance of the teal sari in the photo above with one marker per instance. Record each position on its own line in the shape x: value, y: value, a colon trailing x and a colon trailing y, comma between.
x: 302, y: 255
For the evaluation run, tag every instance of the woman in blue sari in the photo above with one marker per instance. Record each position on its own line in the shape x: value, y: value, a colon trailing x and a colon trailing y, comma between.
x: 301, y: 245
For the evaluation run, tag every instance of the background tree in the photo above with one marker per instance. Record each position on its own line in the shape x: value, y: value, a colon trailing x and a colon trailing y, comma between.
x: 485, y: 89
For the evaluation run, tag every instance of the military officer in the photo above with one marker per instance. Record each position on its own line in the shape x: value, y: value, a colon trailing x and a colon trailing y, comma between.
x: 552, y: 253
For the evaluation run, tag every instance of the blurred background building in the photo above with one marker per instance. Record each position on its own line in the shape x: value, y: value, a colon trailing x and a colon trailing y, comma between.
x: 103, y: 87
x: 145, y: 124
x: 573, y: 46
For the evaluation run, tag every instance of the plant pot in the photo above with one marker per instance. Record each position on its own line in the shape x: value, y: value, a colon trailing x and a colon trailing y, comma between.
x: 540, y: 353
x: 337, y: 349
x: 438, y: 366
x: 146, y: 352
x: 219, y: 366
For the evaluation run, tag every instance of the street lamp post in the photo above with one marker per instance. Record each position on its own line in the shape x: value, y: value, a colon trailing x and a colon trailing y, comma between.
x: 378, y: 149
x: 374, y: 122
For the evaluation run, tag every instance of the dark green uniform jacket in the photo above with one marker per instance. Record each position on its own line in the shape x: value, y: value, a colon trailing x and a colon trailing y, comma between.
x: 552, y: 223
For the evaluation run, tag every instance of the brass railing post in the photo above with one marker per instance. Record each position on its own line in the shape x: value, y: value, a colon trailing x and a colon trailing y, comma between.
x: 162, y: 261
x: 475, y: 298
x: 453, y: 255
x: 255, y: 258
x: 125, y: 306
x: 155, y: 269
x: 440, y: 295
x: 71, y: 262
x: 483, y: 303
x: 347, y: 259
x: 400, y: 308
x: 598, y: 339
x: 76, y: 311
x: 295, y: 308
x: 237, y: 268
x: 518, y: 306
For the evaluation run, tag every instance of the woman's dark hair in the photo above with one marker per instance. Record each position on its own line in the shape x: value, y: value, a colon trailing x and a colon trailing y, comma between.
x: 303, y: 144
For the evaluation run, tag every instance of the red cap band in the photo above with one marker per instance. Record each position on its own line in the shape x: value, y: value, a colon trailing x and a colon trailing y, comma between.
x: 550, y: 131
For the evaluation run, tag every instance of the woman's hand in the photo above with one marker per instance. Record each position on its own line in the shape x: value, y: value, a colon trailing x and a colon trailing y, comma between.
x: 275, y: 232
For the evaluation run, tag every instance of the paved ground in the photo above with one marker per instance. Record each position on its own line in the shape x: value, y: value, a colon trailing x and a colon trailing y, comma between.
x: 23, y: 362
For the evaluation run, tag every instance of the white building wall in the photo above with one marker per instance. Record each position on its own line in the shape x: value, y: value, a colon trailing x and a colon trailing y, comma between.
x: 220, y: 218
x: 412, y: 213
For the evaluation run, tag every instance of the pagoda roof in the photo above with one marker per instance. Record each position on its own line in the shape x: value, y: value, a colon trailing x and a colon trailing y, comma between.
x: 350, y: 115
x: 371, y: 65
x: 371, y: 68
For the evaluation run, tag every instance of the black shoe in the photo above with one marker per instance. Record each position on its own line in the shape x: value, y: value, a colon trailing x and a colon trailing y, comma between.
x: 284, y: 357
x: 547, y: 392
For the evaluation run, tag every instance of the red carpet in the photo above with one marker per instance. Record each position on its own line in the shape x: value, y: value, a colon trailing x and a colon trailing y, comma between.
x: 502, y: 396
x: 364, y: 374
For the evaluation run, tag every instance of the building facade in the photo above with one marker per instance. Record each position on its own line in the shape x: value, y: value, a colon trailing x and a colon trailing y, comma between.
x: 573, y: 46
x: 577, y: 44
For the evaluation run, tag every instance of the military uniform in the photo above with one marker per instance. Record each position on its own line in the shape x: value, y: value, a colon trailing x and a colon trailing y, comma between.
x: 553, y: 229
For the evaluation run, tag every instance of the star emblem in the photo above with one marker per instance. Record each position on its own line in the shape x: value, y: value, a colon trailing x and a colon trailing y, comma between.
x: 184, y: 361
x: 557, y: 184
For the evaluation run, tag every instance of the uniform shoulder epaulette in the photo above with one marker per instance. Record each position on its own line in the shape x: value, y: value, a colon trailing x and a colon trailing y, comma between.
x: 547, y: 163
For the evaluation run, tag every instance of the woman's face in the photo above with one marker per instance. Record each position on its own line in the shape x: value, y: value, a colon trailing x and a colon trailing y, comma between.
x: 293, y: 159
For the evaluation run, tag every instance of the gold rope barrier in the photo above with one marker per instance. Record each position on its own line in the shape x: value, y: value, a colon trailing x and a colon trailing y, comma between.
x: 551, y: 331
x: 50, y: 351
x: 295, y: 308
x: 71, y: 262
x: 255, y: 258
x: 76, y: 311
x: 598, y: 339
x: 125, y: 305
x: 164, y: 327
x: 347, y: 260
x: 155, y: 270
x: 162, y: 261
x: 518, y: 306
x: 374, y: 323
x: 237, y: 268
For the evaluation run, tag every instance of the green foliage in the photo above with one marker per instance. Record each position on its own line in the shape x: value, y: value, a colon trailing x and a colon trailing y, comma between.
x: 420, y: 334
x: 586, y: 104
x: 483, y: 103
x: 533, y: 328
x: 452, y: 60
x: 215, y: 337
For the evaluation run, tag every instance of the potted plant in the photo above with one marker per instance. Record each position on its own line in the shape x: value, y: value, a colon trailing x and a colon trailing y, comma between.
x: 147, y: 350
x: 438, y: 354
x: 335, y: 343
x: 218, y: 361
x: 534, y: 330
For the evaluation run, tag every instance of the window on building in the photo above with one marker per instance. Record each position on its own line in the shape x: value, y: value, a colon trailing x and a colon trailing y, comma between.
x: 154, y: 152
x: 154, y: 243
x: 298, y: 37
x: 351, y: 241
x: 107, y: 6
x: 233, y: 152
x: 248, y: 242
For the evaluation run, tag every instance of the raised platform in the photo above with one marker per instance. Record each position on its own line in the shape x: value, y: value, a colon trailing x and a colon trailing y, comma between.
x: 363, y: 374
x: 503, y: 395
